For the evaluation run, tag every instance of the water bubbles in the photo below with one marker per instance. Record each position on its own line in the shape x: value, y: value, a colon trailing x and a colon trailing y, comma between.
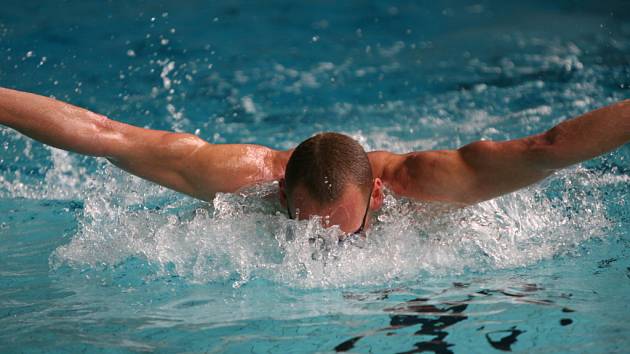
x: 480, y: 88
x: 177, y: 115
x: 30, y: 54
x: 167, y: 67
x: 248, y: 105
x: 42, y: 61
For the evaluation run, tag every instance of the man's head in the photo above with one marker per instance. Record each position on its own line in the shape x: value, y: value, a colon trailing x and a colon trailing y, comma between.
x: 330, y: 175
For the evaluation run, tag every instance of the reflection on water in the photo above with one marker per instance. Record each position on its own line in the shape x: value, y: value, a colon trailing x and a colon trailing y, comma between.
x: 434, y: 328
x: 432, y: 319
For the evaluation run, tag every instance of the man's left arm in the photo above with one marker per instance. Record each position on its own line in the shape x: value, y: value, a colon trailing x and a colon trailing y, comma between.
x: 485, y: 169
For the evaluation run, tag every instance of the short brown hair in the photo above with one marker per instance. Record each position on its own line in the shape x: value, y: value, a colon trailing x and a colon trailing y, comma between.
x: 325, y: 164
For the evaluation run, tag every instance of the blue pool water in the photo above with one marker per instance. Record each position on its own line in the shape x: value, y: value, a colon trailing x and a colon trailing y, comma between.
x: 94, y: 260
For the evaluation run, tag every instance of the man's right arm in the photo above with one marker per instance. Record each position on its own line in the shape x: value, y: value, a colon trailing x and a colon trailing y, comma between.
x: 486, y: 169
x: 182, y: 162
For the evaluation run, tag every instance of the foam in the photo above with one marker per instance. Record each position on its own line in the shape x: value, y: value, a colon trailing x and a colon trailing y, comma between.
x: 245, y: 236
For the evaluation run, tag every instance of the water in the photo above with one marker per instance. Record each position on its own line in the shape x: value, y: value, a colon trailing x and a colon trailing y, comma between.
x: 92, y: 259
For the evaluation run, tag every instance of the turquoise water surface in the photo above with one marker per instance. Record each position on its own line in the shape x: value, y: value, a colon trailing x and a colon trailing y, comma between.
x: 95, y: 260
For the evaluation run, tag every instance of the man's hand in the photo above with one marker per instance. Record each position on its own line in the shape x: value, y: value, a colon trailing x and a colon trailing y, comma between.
x: 182, y: 162
x: 485, y: 169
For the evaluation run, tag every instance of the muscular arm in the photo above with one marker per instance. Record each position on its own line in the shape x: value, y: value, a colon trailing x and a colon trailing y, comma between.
x: 182, y: 162
x: 483, y: 170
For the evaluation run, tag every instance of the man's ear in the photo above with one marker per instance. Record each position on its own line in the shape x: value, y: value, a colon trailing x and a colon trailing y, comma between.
x: 282, y: 193
x: 376, y: 198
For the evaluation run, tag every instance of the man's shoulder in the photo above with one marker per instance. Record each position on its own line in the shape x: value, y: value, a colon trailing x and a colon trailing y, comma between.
x: 380, y: 161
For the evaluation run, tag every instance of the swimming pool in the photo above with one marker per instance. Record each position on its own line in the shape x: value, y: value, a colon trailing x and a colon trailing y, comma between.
x: 92, y: 259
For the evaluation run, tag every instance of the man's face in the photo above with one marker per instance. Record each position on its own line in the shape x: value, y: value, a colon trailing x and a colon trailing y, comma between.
x: 347, y: 212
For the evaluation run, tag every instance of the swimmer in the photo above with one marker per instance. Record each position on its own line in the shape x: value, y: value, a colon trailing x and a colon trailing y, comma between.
x: 329, y: 174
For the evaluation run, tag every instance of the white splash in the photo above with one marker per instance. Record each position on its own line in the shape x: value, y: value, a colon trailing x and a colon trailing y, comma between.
x: 244, y: 236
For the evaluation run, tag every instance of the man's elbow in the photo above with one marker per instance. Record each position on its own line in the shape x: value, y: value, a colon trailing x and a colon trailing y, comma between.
x: 107, y: 137
x: 546, y: 150
x: 180, y: 146
x: 478, y: 152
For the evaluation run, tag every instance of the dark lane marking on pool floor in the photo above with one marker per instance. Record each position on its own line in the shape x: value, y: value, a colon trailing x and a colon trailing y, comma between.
x: 505, y: 343
x: 432, y: 327
x: 435, y: 319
